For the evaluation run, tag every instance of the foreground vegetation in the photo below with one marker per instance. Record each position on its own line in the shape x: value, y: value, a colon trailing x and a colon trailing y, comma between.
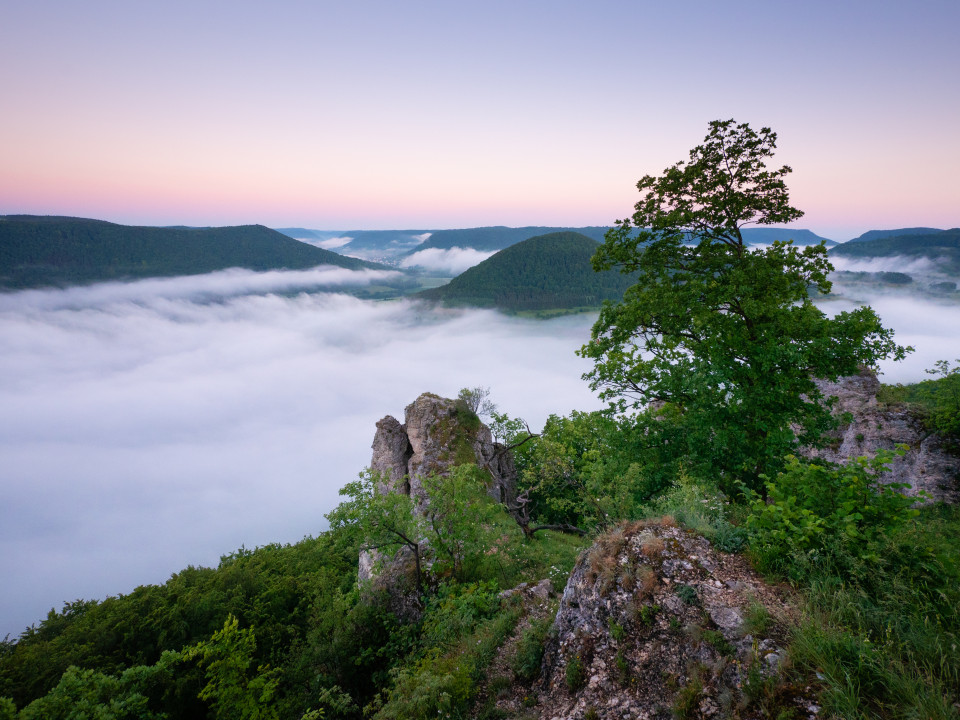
x: 284, y: 631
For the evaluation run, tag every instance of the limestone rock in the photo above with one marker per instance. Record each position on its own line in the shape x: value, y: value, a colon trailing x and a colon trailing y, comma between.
x: 926, y: 465
x: 436, y: 435
x: 391, y: 454
x: 650, y: 610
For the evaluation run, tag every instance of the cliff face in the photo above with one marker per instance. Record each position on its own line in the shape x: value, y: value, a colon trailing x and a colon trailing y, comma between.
x: 654, y: 623
x: 926, y: 465
x: 437, y: 434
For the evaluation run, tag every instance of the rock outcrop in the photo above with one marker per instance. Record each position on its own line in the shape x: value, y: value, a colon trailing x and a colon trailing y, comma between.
x: 655, y: 623
x: 437, y: 434
x: 867, y: 425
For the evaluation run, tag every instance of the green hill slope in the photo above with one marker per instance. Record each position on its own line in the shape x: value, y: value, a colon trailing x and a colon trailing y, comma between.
x: 40, y: 251
x: 546, y: 272
x: 499, y: 237
x: 943, y: 246
x: 878, y: 234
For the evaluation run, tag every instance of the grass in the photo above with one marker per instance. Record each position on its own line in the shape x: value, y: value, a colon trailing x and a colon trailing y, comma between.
x: 529, y: 656
x: 883, y: 635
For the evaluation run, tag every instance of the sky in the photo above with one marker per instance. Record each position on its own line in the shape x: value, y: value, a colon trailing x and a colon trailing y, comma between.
x: 386, y: 115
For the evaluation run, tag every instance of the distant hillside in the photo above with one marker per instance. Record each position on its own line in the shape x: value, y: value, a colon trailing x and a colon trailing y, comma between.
x: 499, y: 237
x: 546, y: 272
x: 878, y: 234
x: 769, y: 235
x: 942, y: 246
x: 38, y: 251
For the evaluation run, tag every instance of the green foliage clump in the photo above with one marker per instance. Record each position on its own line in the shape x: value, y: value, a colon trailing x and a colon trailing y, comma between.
x: 583, y: 471
x: 882, y: 629
x: 442, y: 680
x: 936, y: 402
x: 575, y: 674
x: 233, y: 691
x: 813, y: 510
x: 530, y: 646
x: 700, y: 506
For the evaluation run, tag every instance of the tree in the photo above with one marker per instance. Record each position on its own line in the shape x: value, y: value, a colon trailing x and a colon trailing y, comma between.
x: 230, y: 689
x: 477, y: 400
x: 385, y: 520
x: 723, y: 339
x: 457, y: 519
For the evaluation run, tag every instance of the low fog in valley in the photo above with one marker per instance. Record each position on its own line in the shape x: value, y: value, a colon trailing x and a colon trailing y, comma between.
x: 147, y: 426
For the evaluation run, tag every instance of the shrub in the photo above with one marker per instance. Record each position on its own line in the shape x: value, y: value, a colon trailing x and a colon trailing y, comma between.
x: 813, y: 510
x: 576, y: 674
x: 527, y: 661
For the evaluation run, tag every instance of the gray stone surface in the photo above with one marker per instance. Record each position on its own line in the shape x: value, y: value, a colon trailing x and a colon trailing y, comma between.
x: 926, y: 465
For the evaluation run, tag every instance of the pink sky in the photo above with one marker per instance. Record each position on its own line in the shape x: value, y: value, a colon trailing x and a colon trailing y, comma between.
x: 430, y: 116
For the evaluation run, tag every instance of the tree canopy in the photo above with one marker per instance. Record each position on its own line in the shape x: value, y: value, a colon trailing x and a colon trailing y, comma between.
x: 724, y: 340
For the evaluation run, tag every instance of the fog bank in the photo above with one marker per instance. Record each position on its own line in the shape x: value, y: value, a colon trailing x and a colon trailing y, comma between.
x: 148, y: 426
x: 142, y: 429
x: 451, y: 261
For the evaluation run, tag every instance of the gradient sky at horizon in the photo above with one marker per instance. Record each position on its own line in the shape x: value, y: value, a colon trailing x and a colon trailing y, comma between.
x: 428, y: 115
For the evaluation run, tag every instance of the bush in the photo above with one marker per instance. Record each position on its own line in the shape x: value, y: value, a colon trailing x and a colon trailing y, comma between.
x: 529, y: 657
x: 575, y: 675
x: 814, y: 510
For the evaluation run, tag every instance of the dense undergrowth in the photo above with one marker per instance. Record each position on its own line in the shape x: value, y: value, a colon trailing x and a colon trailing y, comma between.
x: 285, y: 632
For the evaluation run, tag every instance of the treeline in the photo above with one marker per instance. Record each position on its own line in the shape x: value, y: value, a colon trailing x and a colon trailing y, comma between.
x: 55, y: 251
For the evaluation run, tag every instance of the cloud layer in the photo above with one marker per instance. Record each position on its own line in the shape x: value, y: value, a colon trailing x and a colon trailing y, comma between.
x: 452, y: 261
x: 142, y: 433
x: 897, y: 263
x: 224, y: 283
x: 152, y: 425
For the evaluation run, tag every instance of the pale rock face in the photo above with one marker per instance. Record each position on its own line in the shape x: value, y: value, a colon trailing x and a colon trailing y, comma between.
x: 649, y: 609
x: 391, y: 453
x: 434, y: 437
x: 925, y: 466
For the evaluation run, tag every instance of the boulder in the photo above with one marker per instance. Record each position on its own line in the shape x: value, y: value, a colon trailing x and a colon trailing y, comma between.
x: 654, y: 618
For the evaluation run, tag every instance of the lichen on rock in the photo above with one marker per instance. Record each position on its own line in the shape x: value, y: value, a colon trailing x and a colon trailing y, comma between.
x: 867, y: 426
x: 653, y: 617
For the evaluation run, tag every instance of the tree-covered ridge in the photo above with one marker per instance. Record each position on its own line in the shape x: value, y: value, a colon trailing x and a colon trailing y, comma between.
x: 937, y: 245
x: 878, y: 234
x: 542, y: 273
x: 37, y: 251
x: 499, y: 237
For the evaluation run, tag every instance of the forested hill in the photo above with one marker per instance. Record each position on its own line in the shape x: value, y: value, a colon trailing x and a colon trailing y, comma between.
x: 38, y: 251
x: 764, y: 236
x: 942, y: 245
x: 878, y: 234
x: 499, y: 237
x: 546, y: 272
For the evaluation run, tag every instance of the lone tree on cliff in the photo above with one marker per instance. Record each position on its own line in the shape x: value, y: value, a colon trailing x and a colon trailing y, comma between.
x: 726, y: 336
